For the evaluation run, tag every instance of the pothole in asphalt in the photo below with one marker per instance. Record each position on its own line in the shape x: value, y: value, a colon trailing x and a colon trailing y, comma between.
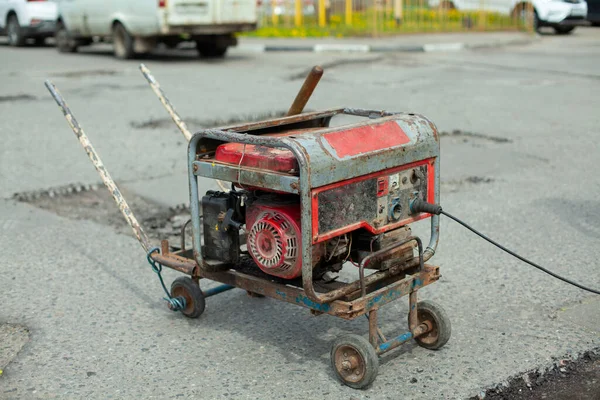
x: 336, y: 63
x: 81, y: 74
x: 12, y: 340
x: 566, y: 379
x: 17, y: 97
x: 95, y: 203
x: 96, y: 88
x: 457, y: 185
x: 467, y: 136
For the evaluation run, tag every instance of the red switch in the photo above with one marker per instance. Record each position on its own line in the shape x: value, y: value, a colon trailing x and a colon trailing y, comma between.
x: 382, y: 186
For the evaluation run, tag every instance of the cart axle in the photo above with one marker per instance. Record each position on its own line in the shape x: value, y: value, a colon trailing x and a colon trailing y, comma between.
x: 217, y: 290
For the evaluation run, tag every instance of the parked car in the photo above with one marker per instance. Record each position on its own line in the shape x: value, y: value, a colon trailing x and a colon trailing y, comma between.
x: 137, y: 26
x: 27, y: 19
x: 594, y: 12
x: 562, y: 15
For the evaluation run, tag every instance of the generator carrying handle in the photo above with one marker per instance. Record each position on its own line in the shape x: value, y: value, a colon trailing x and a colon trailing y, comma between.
x: 377, y: 255
x: 95, y: 159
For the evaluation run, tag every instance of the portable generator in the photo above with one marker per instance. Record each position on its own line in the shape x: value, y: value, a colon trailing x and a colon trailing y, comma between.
x: 306, y: 200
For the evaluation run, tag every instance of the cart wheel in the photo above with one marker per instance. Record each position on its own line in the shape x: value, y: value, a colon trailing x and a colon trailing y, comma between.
x: 194, y: 299
x: 354, y: 361
x: 440, y: 325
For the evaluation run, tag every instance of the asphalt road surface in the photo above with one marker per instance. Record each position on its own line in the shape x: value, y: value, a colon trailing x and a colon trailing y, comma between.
x: 82, y: 314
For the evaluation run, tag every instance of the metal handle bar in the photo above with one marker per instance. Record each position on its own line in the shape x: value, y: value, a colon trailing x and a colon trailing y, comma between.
x: 382, y: 253
x: 307, y: 89
x: 95, y: 159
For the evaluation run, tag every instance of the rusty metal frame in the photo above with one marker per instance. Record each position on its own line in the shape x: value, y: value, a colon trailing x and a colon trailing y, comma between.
x: 301, y: 185
x: 348, y: 308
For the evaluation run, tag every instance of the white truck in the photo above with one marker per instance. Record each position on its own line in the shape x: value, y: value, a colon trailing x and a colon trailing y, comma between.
x: 137, y: 26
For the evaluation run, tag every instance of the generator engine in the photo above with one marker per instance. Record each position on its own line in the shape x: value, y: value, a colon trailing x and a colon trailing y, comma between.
x: 272, y: 231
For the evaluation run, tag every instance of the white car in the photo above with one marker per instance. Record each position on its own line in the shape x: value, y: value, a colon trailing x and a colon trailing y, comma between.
x: 137, y: 26
x: 24, y: 19
x: 562, y: 15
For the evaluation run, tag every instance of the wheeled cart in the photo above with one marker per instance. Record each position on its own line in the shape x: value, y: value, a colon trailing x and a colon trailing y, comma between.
x: 302, y: 200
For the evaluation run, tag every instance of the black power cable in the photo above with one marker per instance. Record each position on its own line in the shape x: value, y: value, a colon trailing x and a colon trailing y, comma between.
x: 422, y: 206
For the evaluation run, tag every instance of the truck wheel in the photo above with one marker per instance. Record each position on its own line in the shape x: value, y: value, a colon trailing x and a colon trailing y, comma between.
x: 563, y: 30
x: 13, y: 30
x: 122, y: 42
x: 210, y: 50
x: 64, y: 42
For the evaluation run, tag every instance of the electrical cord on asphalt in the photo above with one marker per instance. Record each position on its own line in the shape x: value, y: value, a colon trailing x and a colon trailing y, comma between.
x: 420, y: 205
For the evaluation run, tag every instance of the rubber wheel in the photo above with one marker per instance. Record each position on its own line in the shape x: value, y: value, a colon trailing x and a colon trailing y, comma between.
x: 210, y: 50
x: 194, y: 298
x: 13, y: 30
x: 354, y: 361
x: 441, y: 328
x: 64, y: 42
x: 122, y: 42
x: 563, y: 30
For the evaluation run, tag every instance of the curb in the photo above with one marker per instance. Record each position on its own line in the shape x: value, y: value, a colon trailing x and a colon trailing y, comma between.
x: 365, y: 48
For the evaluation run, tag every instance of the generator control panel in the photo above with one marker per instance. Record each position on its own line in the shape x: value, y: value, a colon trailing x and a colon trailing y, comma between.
x: 377, y: 202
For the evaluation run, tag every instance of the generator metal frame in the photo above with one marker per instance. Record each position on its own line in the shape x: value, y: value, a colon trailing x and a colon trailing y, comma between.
x: 381, y: 288
x: 302, y: 185
x: 347, y: 301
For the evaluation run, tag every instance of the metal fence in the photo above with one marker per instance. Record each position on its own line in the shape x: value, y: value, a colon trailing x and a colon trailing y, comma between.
x: 317, y: 18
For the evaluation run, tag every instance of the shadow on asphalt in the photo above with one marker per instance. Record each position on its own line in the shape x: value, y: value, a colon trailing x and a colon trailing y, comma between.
x: 183, y: 54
